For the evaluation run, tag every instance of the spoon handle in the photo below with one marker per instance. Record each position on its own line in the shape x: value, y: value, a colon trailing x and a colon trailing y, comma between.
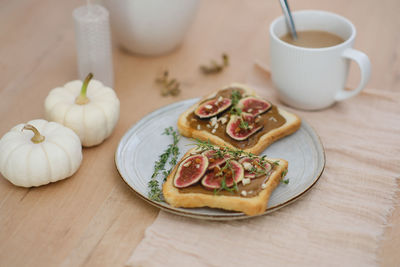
x: 288, y: 18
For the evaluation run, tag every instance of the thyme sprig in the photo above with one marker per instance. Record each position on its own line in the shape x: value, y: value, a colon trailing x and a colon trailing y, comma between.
x: 235, y: 110
x: 169, y: 86
x: 235, y: 96
x: 173, y: 149
x: 285, y: 181
x: 155, y: 192
x: 215, y: 67
x: 283, y: 174
x: 227, y: 167
x: 222, y: 151
x: 224, y: 186
x: 244, y: 125
x: 233, y: 153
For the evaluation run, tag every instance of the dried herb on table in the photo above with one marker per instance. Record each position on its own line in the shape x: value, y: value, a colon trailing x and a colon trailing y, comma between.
x: 155, y: 192
x: 169, y: 86
x: 215, y: 67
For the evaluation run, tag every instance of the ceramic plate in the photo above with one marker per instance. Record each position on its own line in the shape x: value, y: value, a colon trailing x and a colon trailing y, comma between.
x: 141, y: 146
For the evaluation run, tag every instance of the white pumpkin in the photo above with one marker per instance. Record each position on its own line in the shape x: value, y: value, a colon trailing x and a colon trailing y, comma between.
x: 38, y: 153
x: 89, y: 108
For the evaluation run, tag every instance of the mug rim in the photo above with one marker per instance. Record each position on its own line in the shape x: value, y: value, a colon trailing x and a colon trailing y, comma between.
x: 345, y: 43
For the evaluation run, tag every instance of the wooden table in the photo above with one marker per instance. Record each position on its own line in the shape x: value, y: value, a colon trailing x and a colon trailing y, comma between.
x: 93, y: 218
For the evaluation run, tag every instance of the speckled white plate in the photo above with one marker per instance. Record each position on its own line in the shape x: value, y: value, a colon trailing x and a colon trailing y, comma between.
x: 141, y: 146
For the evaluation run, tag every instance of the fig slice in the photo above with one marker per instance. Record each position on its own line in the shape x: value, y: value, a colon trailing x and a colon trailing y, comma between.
x: 254, y: 105
x: 242, y: 127
x: 190, y: 170
x: 247, y: 166
x: 261, y: 168
x: 213, y: 107
x: 213, y: 178
x: 213, y: 158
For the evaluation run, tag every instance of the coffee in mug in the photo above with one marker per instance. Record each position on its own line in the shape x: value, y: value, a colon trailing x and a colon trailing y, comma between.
x: 313, y: 39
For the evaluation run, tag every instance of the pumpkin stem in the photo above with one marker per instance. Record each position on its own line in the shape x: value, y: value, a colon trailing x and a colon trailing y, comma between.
x: 37, y: 138
x: 82, y: 99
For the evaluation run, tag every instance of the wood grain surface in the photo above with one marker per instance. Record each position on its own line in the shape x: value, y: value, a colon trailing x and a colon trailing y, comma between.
x: 93, y: 218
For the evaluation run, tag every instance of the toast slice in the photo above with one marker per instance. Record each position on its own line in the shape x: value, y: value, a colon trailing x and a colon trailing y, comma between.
x: 249, y: 194
x: 274, y: 124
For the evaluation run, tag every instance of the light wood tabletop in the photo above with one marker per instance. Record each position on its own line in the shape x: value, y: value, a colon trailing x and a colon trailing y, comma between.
x: 94, y: 218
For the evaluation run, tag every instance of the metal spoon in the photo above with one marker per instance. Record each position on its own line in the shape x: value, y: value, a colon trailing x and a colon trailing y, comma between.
x: 288, y: 18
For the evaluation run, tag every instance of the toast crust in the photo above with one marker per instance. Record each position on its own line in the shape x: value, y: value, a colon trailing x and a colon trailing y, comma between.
x: 254, y: 205
x: 291, y: 125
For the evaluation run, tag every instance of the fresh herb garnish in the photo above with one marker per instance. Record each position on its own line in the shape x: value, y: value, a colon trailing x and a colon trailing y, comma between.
x: 283, y: 174
x: 215, y: 67
x: 222, y: 151
x: 261, y: 170
x: 276, y: 163
x: 173, y: 149
x: 244, y: 125
x: 235, y: 110
x: 286, y: 181
x: 169, y: 87
x: 235, y: 96
x: 224, y: 186
x: 155, y: 192
x: 227, y: 167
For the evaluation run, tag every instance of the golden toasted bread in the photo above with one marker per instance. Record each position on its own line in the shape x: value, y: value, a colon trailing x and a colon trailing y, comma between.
x: 214, y: 187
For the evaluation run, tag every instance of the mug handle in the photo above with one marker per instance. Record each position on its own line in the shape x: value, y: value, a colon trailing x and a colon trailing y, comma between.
x: 365, y: 67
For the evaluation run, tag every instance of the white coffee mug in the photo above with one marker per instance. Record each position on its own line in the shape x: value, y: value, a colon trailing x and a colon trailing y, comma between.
x: 315, y: 78
x: 150, y: 27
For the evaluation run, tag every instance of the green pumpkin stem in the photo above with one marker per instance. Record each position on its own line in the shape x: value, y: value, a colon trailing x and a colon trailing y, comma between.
x: 82, y: 98
x: 37, y: 138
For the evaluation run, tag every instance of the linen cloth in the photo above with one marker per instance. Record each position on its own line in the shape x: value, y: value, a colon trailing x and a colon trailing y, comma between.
x: 339, y: 222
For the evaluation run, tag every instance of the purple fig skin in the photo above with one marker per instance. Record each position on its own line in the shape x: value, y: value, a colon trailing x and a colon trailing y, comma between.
x: 190, y: 170
x: 253, y: 105
x: 211, y: 181
x: 216, y: 107
x: 212, y: 161
x: 234, y: 131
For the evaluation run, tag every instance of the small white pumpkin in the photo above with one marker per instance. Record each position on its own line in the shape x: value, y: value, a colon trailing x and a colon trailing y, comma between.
x: 38, y: 153
x: 89, y: 108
